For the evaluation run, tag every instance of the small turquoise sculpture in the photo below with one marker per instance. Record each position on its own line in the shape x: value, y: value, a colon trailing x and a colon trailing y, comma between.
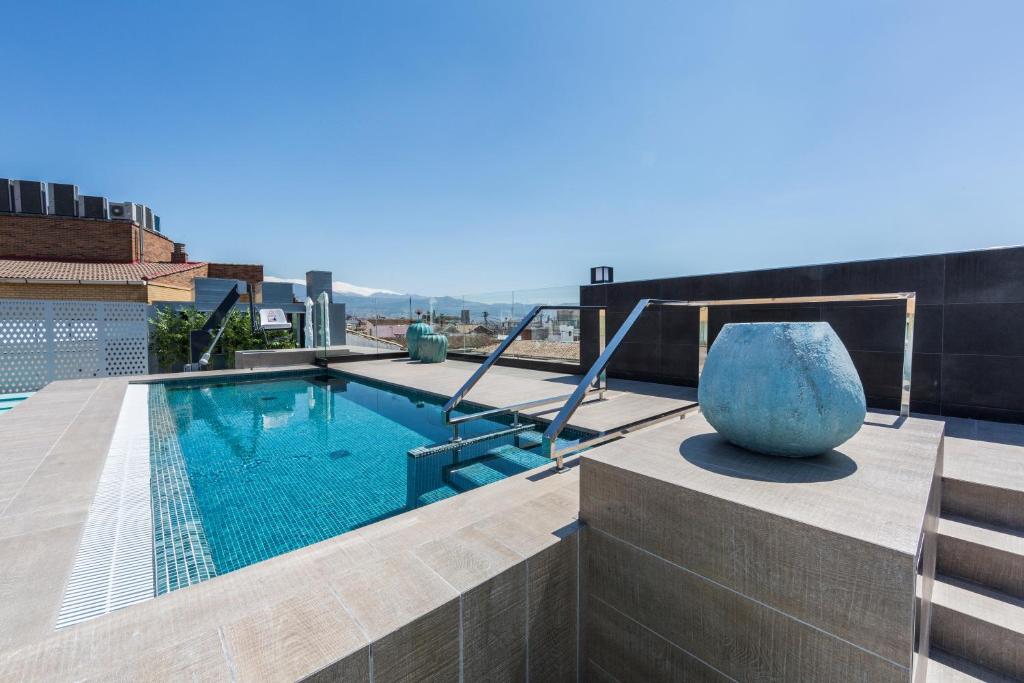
x: 413, y: 336
x: 786, y: 389
x: 433, y: 348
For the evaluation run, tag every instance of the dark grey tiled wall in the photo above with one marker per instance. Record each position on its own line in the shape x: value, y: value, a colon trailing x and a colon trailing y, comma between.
x: 968, y: 339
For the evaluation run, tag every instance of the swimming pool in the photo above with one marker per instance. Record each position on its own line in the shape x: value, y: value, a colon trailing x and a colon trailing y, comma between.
x: 244, y: 471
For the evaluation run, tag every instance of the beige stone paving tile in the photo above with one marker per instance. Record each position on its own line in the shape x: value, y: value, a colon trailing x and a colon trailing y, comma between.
x: 383, y: 595
x: 532, y: 527
x: 874, y: 488
x: 292, y: 638
x: 433, y: 521
x: 47, y: 491
x: 177, y: 616
x: 626, y: 400
x: 467, y: 557
x: 198, y: 659
x: 44, y: 518
x: 33, y: 570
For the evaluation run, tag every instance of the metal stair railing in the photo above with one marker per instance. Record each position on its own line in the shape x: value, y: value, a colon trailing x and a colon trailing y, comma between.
x: 598, y: 383
x: 550, y: 443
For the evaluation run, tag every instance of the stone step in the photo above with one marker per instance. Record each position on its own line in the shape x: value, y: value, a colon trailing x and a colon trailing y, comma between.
x: 983, y: 472
x: 984, y: 554
x: 978, y: 625
x: 945, y: 668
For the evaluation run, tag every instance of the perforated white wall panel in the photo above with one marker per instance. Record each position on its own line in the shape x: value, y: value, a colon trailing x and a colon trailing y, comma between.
x: 42, y: 341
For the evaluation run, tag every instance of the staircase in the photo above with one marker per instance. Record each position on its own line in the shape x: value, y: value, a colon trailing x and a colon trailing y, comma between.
x: 977, y: 630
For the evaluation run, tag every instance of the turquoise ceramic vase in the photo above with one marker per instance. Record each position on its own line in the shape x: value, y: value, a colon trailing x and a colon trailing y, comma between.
x: 413, y: 335
x: 785, y: 389
x: 433, y: 348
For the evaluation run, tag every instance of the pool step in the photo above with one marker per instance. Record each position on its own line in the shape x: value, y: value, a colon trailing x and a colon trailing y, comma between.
x: 979, y: 625
x: 9, y: 401
x: 473, y: 476
x: 434, y: 495
x: 531, y: 439
x: 497, y: 464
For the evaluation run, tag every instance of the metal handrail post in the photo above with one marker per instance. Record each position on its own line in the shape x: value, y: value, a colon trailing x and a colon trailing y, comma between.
x: 550, y: 441
x: 488, y: 362
x: 702, y: 341
x: 602, y: 379
x: 908, y: 355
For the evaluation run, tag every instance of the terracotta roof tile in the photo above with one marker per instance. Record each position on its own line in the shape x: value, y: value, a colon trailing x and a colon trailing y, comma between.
x: 11, y: 269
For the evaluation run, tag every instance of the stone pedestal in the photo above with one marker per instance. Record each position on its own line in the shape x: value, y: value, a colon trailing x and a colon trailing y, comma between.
x: 702, y: 561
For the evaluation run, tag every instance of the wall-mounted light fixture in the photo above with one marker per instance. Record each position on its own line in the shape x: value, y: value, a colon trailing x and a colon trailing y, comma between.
x: 601, y: 275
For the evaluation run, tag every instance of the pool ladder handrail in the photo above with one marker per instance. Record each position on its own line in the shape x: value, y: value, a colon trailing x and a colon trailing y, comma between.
x: 599, y: 383
x: 549, y: 445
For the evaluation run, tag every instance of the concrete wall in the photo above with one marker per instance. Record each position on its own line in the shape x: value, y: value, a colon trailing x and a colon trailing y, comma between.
x: 968, y: 340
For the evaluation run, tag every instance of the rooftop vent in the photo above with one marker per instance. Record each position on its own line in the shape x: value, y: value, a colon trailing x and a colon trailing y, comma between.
x: 30, y: 196
x: 93, y: 207
x: 6, y: 196
x: 125, y: 211
x: 63, y: 199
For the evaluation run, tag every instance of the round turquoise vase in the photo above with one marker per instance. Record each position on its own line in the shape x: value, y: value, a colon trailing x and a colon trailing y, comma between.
x: 413, y: 335
x: 433, y: 348
x: 786, y: 389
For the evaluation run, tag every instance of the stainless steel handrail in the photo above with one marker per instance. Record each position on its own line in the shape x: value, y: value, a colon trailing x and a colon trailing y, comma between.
x: 600, y: 384
x: 550, y: 441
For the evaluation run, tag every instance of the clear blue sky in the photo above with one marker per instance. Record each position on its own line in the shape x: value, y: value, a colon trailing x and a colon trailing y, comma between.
x: 443, y: 148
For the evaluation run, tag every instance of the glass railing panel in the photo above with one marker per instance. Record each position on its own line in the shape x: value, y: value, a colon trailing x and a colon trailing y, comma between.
x: 473, y: 323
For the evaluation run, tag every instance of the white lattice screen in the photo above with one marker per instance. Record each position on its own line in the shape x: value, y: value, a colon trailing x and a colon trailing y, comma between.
x: 42, y: 341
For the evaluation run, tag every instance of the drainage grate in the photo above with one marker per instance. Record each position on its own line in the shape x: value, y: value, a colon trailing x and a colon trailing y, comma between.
x: 114, y: 564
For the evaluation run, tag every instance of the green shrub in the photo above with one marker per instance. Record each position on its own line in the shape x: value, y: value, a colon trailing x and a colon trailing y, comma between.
x: 171, y: 329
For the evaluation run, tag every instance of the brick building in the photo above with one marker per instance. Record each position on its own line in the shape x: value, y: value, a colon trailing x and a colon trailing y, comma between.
x: 60, y: 257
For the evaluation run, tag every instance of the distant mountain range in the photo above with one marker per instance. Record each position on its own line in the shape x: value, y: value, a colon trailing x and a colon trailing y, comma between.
x: 365, y: 302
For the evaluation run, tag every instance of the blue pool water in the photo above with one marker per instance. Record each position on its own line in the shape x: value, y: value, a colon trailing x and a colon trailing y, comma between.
x: 249, y: 470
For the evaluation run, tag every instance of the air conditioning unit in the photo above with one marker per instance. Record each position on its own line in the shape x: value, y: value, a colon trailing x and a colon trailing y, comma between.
x: 147, y: 218
x: 63, y: 199
x: 30, y: 196
x: 125, y: 211
x: 93, y: 207
x: 6, y: 196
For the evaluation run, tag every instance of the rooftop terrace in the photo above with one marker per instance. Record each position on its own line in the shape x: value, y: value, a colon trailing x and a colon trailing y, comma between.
x: 486, y: 582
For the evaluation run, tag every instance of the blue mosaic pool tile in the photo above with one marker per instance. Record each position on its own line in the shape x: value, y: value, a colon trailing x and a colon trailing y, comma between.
x: 180, y: 550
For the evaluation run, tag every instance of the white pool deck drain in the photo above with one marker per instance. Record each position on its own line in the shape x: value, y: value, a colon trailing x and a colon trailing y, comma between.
x: 113, y: 567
